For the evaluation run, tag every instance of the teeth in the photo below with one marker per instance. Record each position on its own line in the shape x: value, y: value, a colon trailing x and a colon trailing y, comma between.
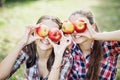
x: 45, y: 41
x: 76, y: 36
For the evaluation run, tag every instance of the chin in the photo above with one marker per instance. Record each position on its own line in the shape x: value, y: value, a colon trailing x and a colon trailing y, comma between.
x: 80, y: 40
x: 45, y: 47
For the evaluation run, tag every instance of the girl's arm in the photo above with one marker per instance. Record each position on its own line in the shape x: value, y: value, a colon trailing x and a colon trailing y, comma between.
x: 113, y: 35
x: 7, y: 64
x: 59, y: 51
x: 55, y: 70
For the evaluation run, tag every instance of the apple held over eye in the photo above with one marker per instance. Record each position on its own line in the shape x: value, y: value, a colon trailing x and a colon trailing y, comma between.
x: 42, y: 30
x: 67, y: 27
x: 54, y: 34
x: 80, y: 26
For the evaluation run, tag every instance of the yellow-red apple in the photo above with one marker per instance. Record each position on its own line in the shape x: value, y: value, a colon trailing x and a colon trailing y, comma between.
x: 67, y: 27
x: 54, y: 34
x: 42, y: 30
x: 80, y: 26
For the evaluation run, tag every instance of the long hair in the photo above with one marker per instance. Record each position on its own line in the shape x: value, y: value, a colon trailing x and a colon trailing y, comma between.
x: 31, y: 49
x: 97, y: 51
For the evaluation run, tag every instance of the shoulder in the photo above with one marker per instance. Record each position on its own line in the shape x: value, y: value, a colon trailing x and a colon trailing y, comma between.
x: 111, y: 43
x: 22, y: 56
x: 112, y: 47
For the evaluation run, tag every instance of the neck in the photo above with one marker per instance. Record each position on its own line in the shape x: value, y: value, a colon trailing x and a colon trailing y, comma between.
x: 43, y: 54
x: 85, y: 47
x: 42, y: 60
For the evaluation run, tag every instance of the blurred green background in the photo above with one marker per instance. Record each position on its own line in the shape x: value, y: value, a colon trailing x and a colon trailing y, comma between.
x: 15, y: 15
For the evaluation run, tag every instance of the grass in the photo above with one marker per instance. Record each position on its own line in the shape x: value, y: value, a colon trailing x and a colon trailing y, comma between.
x: 108, y: 15
x: 15, y: 16
x: 118, y: 75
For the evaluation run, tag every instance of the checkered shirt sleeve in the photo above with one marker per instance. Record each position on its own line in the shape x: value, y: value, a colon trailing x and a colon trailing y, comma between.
x: 20, y: 60
x: 109, y: 62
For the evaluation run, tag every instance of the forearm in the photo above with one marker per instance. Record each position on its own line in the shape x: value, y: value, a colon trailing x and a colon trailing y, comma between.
x: 7, y: 64
x: 113, y: 35
x: 55, y: 70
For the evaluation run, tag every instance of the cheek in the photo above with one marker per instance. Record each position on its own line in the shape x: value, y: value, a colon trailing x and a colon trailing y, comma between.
x: 37, y: 42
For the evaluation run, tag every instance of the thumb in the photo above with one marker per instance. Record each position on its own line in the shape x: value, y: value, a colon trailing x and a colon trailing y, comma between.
x: 51, y: 42
x: 36, y: 37
x: 32, y: 39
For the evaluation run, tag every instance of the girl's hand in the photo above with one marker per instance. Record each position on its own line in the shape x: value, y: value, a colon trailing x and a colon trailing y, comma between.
x: 60, y: 48
x: 30, y: 35
x: 90, y: 31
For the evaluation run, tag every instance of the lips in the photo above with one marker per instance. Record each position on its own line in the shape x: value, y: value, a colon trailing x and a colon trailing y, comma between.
x: 76, y: 36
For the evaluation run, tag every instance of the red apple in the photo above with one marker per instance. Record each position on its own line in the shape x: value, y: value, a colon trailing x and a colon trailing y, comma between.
x: 54, y: 34
x: 42, y: 30
x: 67, y: 27
x: 80, y: 26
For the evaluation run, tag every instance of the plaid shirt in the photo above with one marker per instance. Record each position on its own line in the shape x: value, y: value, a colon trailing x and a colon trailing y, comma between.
x: 33, y: 73
x: 75, y: 66
x: 108, y: 64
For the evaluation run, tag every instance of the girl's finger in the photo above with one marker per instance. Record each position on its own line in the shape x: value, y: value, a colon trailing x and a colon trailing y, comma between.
x: 35, y: 38
x: 51, y: 42
x: 27, y: 31
x: 39, y: 36
x: 62, y: 34
x: 89, y: 27
x: 36, y: 26
x: 63, y: 37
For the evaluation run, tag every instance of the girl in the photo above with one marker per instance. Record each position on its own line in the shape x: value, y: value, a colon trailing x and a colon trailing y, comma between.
x: 94, y: 54
x: 42, y: 56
